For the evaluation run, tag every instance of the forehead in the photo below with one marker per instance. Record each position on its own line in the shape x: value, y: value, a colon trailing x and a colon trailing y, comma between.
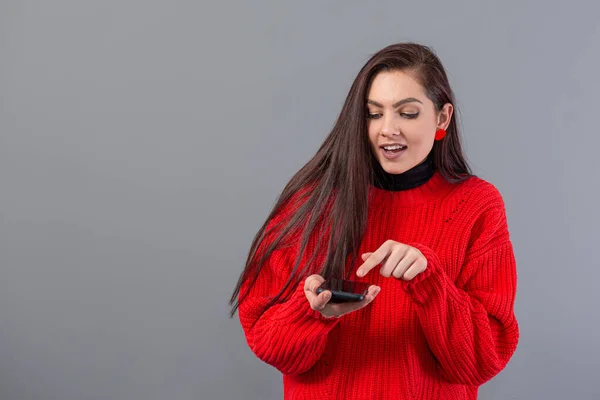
x: 391, y: 86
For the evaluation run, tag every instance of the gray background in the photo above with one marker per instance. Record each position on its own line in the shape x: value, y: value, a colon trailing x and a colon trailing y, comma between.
x: 142, y: 144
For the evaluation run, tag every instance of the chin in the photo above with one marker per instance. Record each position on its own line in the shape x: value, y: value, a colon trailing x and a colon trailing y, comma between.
x: 394, y: 167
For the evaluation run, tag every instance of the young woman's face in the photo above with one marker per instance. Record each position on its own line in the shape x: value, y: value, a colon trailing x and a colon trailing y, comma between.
x: 402, y: 121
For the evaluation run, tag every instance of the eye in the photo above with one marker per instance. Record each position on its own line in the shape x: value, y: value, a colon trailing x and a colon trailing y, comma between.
x: 373, y: 116
x: 410, y: 115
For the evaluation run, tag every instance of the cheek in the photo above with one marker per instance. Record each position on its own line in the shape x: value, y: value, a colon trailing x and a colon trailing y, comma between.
x: 373, y: 132
x: 420, y: 134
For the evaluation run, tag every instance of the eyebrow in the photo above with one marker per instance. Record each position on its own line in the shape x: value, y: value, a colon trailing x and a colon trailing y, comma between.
x: 398, y: 103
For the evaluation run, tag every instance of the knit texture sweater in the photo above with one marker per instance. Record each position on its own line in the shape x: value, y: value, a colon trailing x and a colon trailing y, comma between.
x: 439, y: 336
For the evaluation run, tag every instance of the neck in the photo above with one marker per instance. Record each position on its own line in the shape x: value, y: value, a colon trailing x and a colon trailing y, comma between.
x: 414, y: 177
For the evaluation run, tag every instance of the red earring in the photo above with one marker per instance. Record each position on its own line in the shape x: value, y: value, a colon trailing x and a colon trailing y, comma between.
x: 440, y: 134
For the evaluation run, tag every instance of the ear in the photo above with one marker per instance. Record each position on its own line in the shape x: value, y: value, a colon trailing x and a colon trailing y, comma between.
x: 444, y: 116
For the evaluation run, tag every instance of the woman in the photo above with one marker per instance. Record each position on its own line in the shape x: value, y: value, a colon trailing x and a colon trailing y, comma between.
x: 390, y: 200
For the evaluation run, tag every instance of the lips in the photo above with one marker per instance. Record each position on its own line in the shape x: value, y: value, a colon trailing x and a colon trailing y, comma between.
x: 393, y: 147
x: 392, y: 151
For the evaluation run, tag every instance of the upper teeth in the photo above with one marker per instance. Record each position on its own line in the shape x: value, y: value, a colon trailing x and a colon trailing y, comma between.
x: 394, y: 147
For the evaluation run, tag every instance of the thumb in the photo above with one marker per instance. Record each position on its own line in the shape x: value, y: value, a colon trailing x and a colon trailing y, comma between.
x: 365, y: 256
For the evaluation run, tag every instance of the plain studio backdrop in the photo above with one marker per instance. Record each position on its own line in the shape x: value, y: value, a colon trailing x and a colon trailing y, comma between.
x: 142, y: 144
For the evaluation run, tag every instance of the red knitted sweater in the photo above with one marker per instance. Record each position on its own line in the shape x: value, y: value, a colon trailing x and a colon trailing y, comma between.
x: 439, y: 336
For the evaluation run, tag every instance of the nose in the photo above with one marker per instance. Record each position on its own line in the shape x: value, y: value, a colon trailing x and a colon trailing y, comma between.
x: 389, y: 127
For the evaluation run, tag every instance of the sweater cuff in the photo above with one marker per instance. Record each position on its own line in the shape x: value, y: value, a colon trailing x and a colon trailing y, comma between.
x: 297, y: 310
x: 430, y: 283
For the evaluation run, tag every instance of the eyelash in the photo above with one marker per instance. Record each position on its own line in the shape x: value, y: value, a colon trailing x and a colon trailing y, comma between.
x: 405, y: 115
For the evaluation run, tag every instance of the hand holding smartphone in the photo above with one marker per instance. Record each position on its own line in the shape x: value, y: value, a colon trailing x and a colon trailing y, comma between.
x: 336, y: 297
x: 344, y: 291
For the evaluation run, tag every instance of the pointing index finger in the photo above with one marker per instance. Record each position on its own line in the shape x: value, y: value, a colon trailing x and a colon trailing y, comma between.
x: 374, y: 259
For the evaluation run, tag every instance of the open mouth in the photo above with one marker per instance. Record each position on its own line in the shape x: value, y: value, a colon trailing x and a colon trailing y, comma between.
x: 393, y: 149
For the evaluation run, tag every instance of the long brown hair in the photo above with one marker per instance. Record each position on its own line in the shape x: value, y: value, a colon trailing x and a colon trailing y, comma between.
x: 339, y: 175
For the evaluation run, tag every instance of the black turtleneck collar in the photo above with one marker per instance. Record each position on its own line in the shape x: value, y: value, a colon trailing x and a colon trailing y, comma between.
x: 412, y: 178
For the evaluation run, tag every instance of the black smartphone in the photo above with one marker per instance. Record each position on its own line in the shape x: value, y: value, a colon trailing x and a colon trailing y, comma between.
x: 343, y: 290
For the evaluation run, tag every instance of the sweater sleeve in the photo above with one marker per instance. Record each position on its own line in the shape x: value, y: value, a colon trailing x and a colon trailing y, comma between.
x: 470, y: 326
x: 290, y: 335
